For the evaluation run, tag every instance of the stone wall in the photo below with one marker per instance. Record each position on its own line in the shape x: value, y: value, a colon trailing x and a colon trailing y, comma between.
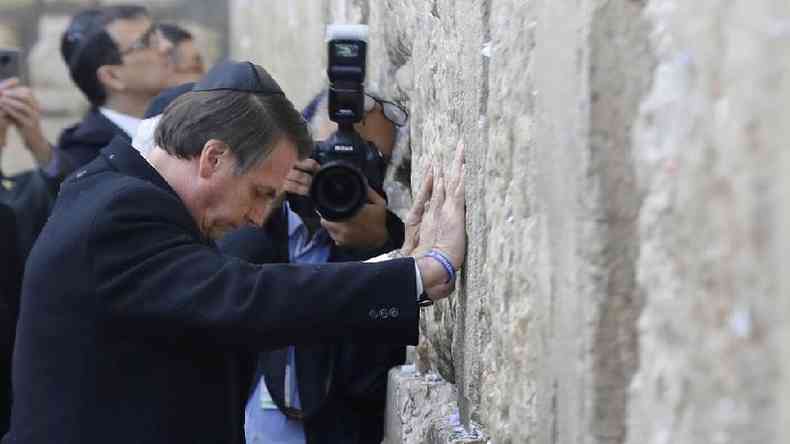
x: 627, y: 165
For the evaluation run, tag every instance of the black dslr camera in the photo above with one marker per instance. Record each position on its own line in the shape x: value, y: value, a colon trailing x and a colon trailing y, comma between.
x: 348, y: 163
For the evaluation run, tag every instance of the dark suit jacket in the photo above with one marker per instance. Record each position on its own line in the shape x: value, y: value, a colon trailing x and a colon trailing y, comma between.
x: 342, y: 386
x: 130, y: 320
x: 10, y: 279
x: 79, y: 144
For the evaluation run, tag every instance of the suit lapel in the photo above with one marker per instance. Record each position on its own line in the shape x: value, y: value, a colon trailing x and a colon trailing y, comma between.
x: 314, y: 367
x: 271, y: 365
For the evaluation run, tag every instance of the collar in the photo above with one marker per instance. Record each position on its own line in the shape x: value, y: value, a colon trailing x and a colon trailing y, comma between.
x: 125, y: 122
x: 124, y: 158
x: 143, y: 140
x: 294, y: 221
x: 121, y: 156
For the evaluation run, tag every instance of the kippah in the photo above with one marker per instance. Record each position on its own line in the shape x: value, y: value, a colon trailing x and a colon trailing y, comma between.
x: 239, y: 76
x: 160, y: 102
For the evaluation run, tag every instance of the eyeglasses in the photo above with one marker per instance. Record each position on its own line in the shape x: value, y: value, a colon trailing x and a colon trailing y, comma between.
x: 393, y: 112
x: 145, y: 41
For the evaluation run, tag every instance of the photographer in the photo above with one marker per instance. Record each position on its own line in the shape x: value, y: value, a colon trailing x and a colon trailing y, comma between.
x: 333, y: 393
x: 119, y: 60
x: 132, y: 320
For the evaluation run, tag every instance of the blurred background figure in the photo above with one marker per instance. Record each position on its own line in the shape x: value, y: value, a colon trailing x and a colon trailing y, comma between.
x: 119, y: 60
x: 185, y: 57
x: 29, y: 193
x: 35, y: 27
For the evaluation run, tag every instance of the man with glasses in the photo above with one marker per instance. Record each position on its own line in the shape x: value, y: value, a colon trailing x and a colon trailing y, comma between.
x: 324, y: 393
x: 118, y: 59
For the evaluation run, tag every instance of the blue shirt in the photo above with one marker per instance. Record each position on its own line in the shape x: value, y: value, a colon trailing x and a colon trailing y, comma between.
x: 263, y: 422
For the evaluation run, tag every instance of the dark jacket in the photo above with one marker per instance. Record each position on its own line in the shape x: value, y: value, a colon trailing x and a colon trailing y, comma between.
x: 10, y: 279
x: 81, y: 143
x: 131, y: 321
x: 30, y: 195
x: 342, y: 386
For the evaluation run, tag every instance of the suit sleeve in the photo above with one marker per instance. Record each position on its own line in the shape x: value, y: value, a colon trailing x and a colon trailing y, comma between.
x: 154, y: 278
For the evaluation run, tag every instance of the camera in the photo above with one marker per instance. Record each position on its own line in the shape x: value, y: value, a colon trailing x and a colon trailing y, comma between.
x: 349, y: 164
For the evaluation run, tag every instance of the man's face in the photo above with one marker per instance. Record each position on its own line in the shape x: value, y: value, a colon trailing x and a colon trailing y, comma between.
x: 187, y: 64
x: 230, y: 201
x: 377, y: 128
x: 144, y: 55
x: 374, y: 127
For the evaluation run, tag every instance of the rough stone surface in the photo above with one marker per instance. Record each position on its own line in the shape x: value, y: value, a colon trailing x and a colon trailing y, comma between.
x: 711, y: 140
x: 415, y: 402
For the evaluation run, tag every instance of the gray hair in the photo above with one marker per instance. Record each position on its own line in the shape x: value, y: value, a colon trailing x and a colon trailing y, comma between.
x: 250, y: 124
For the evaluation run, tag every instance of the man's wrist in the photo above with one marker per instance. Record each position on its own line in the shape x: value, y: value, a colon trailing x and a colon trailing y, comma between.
x: 432, y: 272
x: 39, y: 146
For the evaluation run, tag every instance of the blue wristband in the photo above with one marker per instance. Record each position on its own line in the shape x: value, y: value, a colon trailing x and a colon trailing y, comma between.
x: 445, y: 261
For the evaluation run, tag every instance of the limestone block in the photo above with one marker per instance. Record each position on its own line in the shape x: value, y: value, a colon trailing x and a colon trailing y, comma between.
x: 9, y: 35
x: 710, y: 146
x: 287, y: 39
x: 414, y: 401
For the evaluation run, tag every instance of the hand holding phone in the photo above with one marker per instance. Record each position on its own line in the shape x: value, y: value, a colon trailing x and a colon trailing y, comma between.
x: 9, y: 63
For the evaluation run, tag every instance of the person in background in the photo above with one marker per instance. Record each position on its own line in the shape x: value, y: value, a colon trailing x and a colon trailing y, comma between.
x: 324, y: 393
x: 29, y: 194
x: 186, y: 61
x: 10, y: 281
x: 118, y: 59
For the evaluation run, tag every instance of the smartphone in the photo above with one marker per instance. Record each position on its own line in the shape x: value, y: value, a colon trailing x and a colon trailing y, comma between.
x: 9, y: 63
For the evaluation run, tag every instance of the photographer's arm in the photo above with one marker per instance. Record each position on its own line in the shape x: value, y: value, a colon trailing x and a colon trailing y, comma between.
x: 367, y: 230
x: 21, y: 108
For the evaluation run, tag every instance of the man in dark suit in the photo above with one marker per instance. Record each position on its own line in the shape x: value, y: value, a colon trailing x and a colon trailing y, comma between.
x: 119, y: 60
x: 131, y: 319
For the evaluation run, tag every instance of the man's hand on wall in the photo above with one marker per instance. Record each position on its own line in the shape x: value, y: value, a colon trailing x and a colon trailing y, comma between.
x: 367, y: 230
x: 22, y: 110
x: 443, y: 228
x: 415, y: 216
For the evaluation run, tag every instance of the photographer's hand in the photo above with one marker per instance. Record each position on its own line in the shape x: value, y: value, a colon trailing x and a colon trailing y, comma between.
x: 22, y: 110
x: 299, y: 179
x: 367, y: 230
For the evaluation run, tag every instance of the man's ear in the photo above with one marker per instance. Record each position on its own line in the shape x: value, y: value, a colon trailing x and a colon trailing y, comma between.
x: 109, y: 78
x: 213, y: 156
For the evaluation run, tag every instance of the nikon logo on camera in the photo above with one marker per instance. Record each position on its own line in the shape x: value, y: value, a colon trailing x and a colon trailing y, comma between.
x: 344, y: 148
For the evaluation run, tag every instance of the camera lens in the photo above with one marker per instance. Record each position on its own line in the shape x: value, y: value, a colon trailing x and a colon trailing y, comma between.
x: 338, y: 190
